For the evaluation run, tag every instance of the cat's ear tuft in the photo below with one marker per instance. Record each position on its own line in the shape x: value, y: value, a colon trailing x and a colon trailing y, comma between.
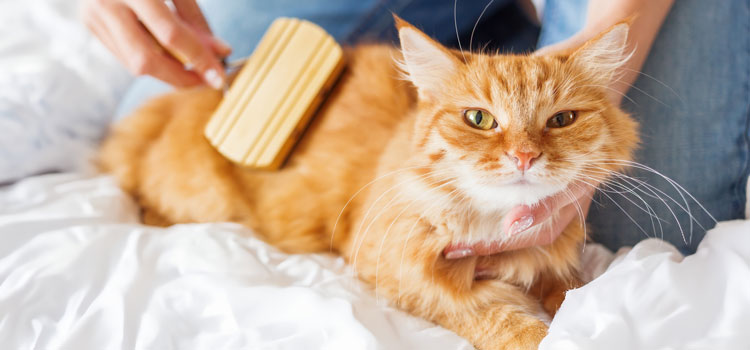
x: 606, y: 52
x: 427, y: 64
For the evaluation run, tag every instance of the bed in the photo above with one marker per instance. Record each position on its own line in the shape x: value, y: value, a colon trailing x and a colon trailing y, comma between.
x: 78, y: 271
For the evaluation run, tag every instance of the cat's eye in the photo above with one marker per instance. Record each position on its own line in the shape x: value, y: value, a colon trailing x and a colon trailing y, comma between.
x: 480, y: 119
x: 562, y: 119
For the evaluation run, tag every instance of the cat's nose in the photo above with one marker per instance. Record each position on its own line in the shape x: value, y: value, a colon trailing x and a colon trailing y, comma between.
x: 523, y: 160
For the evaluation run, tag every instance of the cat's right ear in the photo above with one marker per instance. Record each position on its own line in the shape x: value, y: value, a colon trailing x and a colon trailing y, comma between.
x: 606, y: 52
x: 427, y: 64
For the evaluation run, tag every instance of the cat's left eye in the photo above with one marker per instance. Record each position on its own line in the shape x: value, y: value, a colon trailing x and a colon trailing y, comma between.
x: 562, y: 119
x: 479, y: 119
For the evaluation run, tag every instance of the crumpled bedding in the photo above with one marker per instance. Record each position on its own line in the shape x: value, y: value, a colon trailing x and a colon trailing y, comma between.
x: 58, y: 88
x: 77, y: 271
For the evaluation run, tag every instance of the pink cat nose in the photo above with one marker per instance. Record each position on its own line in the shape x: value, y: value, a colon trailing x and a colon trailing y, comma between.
x: 523, y: 160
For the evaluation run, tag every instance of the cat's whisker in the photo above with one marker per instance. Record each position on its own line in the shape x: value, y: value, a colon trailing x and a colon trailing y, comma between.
x: 403, y: 253
x: 611, y: 89
x: 470, y: 211
x: 648, y: 209
x: 333, y: 231
x: 580, y: 186
x: 388, y: 230
x: 455, y: 25
x: 623, y: 211
x: 632, y: 86
x: 581, y: 216
x: 471, y: 38
x: 652, y: 189
x: 581, y: 156
x: 361, y: 237
x: 659, y: 220
x: 678, y: 188
x: 686, y: 209
x: 367, y: 213
x: 614, y: 175
x: 434, y: 262
x: 607, y: 184
x: 613, y: 187
x: 655, y: 196
x: 483, y: 49
x: 656, y: 80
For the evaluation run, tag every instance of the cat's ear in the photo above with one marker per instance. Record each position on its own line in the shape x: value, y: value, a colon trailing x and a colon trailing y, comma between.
x: 427, y: 64
x: 606, y: 52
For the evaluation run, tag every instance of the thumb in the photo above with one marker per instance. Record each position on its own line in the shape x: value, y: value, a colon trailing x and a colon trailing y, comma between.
x: 523, y: 217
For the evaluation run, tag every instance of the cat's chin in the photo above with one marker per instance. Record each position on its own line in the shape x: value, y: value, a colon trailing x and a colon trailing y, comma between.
x: 506, y: 196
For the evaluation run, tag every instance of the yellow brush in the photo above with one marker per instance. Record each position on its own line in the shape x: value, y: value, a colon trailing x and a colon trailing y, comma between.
x: 275, y: 94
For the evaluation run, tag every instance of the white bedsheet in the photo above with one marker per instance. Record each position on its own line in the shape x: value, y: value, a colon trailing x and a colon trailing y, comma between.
x: 78, y: 272
x: 58, y: 88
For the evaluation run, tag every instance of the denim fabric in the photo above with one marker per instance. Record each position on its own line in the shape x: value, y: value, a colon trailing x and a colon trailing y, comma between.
x: 561, y: 19
x: 692, y: 101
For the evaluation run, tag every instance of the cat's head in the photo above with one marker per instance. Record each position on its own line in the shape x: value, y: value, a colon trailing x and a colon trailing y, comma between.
x: 513, y: 129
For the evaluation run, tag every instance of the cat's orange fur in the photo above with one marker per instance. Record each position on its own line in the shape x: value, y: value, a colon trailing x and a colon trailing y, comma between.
x: 388, y: 173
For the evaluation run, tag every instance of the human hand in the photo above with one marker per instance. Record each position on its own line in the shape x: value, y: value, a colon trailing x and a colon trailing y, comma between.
x: 152, y: 39
x: 568, y: 204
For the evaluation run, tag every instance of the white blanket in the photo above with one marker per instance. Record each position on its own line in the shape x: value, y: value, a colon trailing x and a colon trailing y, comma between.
x: 58, y: 88
x: 77, y: 271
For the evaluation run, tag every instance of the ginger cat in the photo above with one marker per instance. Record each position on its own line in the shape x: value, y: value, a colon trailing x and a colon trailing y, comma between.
x: 401, y: 162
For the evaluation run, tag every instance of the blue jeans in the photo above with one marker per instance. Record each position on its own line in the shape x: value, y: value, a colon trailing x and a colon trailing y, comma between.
x: 692, y: 99
x: 693, y: 103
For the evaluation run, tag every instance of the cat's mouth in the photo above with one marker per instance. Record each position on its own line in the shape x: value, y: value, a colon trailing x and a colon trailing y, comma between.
x: 521, y: 181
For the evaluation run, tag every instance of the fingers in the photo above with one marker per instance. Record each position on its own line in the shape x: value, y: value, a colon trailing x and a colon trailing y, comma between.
x: 221, y: 48
x: 180, y: 40
x: 143, y: 55
x: 189, y: 11
x: 523, y: 217
x: 549, y: 234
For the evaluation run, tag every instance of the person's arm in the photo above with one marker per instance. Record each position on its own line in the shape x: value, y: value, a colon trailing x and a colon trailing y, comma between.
x: 152, y: 38
x: 648, y: 16
x: 602, y: 14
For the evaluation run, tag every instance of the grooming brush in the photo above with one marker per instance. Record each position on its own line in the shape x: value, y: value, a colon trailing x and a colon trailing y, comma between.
x: 275, y: 94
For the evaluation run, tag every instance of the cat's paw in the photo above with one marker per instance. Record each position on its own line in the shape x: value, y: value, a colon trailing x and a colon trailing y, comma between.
x: 526, y: 337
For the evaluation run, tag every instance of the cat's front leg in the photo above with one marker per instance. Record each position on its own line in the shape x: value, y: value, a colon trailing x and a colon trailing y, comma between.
x: 490, y: 313
x: 408, y: 267
x: 551, y: 289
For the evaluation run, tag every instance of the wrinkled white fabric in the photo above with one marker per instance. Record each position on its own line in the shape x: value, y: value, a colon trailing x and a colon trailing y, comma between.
x: 78, y: 272
x: 58, y: 88
x: 651, y: 297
